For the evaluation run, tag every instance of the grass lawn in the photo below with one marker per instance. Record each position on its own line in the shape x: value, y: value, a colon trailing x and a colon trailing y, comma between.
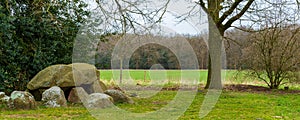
x: 173, y: 76
x: 231, y: 105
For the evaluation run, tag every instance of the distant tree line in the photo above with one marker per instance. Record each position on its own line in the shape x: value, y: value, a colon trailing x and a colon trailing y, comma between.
x: 236, y: 46
x: 151, y: 54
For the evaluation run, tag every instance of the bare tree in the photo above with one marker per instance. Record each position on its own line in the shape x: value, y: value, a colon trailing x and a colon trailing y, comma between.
x: 274, y: 54
x: 133, y: 16
x: 274, y: 49
x: 125, y: 16
x: 222, y: 14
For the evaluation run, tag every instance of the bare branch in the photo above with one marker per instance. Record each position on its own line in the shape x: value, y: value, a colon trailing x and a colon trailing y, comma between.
x: 123, y: 16
x: 202, y: 4
x: 230, y: 10
x: 238, y: 16
x: 130, y: 15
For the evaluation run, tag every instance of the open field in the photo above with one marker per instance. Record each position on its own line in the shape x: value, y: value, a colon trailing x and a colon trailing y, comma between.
x: 173, y: 76
x: 231, y: 105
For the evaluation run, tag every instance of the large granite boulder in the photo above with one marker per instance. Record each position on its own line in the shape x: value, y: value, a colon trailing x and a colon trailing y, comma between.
x: 99, y: 100
x: 64, y: 76
x: 54, y: 97
x: 119, y: 96
x: 21, y: 100
x: 67, y: 77
x: 78, y: 95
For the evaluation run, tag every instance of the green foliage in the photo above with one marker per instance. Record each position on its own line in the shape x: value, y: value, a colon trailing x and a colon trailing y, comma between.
x: 34, y: 35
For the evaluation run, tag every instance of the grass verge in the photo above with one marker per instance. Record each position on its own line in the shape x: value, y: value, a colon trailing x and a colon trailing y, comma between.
x: 231, y: 105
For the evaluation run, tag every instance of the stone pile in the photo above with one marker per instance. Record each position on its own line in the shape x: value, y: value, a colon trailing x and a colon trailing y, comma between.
x: 58, y: 84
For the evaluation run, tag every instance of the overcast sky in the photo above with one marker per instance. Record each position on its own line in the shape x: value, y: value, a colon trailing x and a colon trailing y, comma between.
x: 170, y: 22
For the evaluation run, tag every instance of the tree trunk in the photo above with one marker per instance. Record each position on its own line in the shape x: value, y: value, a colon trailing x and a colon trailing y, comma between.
x: 215, y: 60
x: 274, y: 84
x: 209, y: 73
x: 214, y: 46
x: 121, y: 71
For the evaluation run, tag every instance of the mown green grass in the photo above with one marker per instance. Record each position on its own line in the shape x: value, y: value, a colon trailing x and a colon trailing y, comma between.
x: 139, y: 74
x: 230, y: 106
x: 73, y: 112
x: 172, y: 75
x: 251, y: 106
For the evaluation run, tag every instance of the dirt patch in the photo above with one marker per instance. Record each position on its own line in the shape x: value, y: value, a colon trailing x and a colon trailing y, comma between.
x: 227, y: 87
x: 257, y: 89
x: 168, y: 88
x: 28, y: 116
x: 159, y: 103
x: 245, y: 88
x: 34, y: 116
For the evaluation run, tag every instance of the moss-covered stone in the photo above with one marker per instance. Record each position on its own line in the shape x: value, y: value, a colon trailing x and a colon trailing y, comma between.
x: 22, y: 100
x: 54, y: 97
